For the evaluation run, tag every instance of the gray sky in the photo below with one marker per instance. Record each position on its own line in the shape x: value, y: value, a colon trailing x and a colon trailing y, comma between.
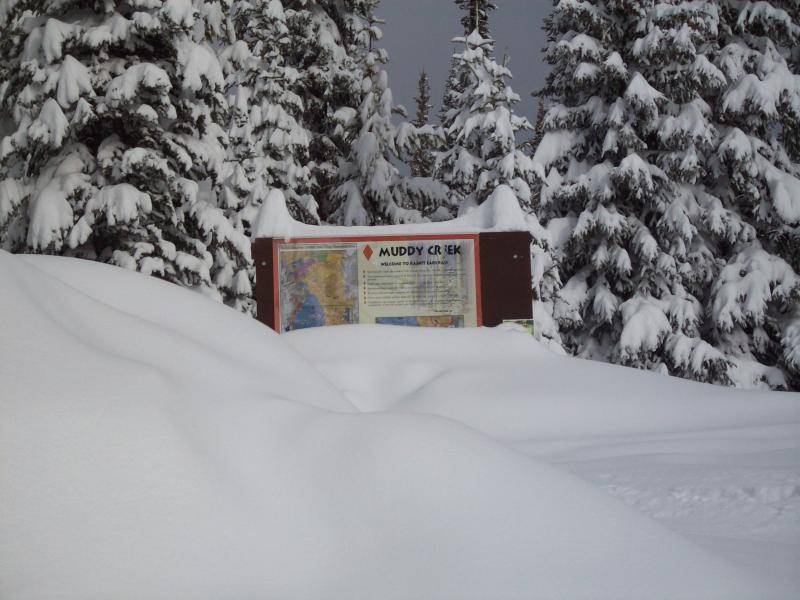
x: 417, y: 35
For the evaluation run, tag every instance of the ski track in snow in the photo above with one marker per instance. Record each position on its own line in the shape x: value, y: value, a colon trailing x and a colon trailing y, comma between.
x: 748, y: 514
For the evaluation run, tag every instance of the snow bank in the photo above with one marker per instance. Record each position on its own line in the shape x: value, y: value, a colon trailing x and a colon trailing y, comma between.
x: 500, y: 212
x: 155, y: 444
x: 503, y: 383
x: 719, y: 466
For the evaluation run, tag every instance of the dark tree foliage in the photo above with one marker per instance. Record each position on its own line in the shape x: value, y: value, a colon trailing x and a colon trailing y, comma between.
x: 476, y: 16
x: 670, y: 159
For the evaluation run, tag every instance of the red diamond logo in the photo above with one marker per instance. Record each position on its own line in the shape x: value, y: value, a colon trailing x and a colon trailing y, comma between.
x: 368, y: 251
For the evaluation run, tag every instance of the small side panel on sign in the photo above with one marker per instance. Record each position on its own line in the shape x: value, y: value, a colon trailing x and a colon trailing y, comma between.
x: 265, y: 282
x: 507, y: 290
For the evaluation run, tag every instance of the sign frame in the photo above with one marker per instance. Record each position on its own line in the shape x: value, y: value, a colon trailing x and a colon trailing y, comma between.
x: 502, y: 271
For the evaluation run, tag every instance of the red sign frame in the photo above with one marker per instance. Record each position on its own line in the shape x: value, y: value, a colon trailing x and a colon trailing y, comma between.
x: 277, y: 243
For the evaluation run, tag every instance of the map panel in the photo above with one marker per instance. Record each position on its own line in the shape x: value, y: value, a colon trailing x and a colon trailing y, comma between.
x: 318, y: 286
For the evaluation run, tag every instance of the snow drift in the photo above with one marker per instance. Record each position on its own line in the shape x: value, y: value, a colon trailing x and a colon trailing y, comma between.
x: 154, y: 444
x: 506, y: 385
x: 500, y: 212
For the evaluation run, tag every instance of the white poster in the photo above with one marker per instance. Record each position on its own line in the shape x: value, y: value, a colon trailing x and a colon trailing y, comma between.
x: 419, y: 281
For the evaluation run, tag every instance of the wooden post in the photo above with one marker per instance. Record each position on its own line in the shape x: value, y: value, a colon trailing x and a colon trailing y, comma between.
x: 265, y: 281
x: 506, y: 289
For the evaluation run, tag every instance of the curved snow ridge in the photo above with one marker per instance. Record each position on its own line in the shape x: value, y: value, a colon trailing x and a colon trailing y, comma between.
x: 714, y: 445
x: 504, y: 383
x: 139, y: 459
x: 186, y: 335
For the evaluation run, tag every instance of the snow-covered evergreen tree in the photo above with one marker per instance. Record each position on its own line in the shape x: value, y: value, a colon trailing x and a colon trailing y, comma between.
x: 369, y: 186
x: 484, y: 154
x: 755, y: 304
x: 546, y: 276
x: 476, y: 16
x: 538, y: 127
x: 483, y: 128
x: 640, y: 193
x: 268, y: 140
x: 369, y: 191
x: 116, y: 142
x: 453, y: 87
x: 325, y: 44
x: 417, y: 143
x: 423, y: 100
x: 422, y: 159
x: 469, y: 70
x: 532, y: 144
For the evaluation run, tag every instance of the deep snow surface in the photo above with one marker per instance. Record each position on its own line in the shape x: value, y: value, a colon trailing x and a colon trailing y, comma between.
x: 154, y: 444
x: 720, y: 466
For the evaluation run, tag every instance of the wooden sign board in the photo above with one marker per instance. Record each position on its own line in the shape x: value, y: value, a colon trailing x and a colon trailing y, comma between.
x: 438, y: 280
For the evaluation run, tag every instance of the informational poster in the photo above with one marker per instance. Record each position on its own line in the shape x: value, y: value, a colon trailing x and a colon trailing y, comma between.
x: 420, y: 281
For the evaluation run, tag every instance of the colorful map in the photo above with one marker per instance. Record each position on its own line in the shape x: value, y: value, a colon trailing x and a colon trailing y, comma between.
x: 442, y: 321
x: 318, y: 287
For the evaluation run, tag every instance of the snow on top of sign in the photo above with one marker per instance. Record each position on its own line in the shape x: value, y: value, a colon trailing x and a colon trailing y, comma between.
x: 500, y: 212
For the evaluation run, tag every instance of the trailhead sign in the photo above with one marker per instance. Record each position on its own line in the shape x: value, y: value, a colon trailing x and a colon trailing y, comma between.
x: 422, y: 282
x: 412, y: 280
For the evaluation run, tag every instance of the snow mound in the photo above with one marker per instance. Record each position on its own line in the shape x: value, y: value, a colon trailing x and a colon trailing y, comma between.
x: 504, y: 383
x: 719, y: 466
x: 155, y: 444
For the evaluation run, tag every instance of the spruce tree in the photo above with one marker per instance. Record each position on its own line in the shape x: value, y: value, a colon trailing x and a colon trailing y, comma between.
x: 484, y: 157
x: 423, y: 100
x: 532, y: 145
x: 538, y: 127
x: 483, y: 128
x: 476, y: 16
x: 546, y: 276
x: 655, y: 225
x: 453, y: 86
x: 117, y: 118
x: 417, y: 143
x: 369, y: 190
x: 325, y: 44
x: 755, y: 303
x: 269, y: 142
x: 422, y: 159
